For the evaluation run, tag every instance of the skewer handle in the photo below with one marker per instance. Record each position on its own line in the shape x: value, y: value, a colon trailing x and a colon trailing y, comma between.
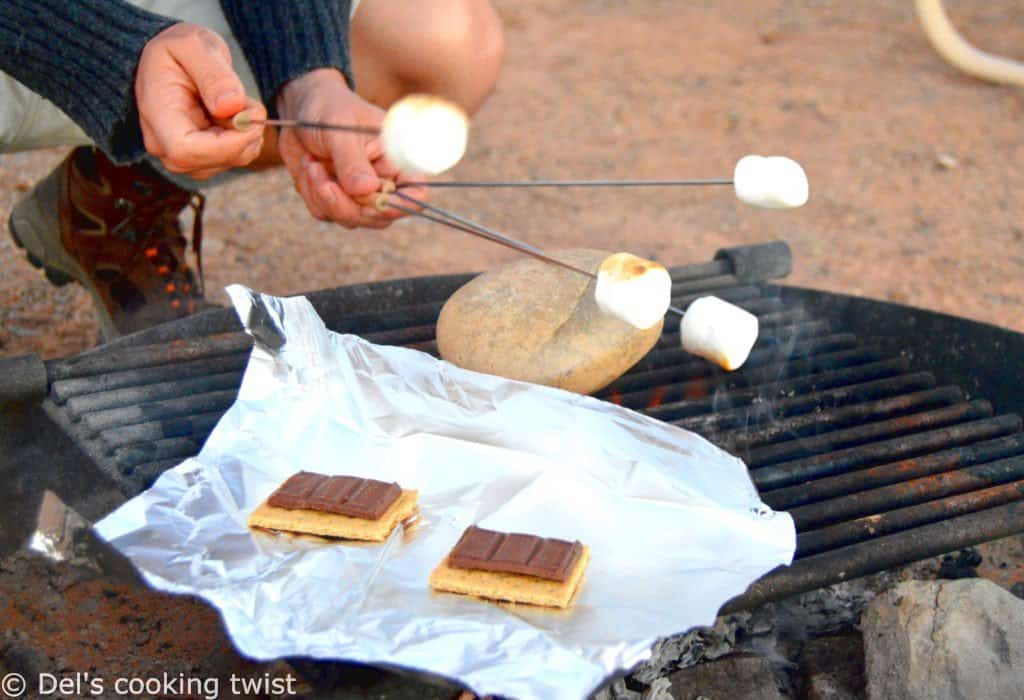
x: 378, y: 200
x: 242, y: 121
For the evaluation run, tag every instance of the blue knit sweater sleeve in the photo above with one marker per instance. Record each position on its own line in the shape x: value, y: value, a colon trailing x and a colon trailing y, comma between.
x: 283, y: 39
x: 81, y: 55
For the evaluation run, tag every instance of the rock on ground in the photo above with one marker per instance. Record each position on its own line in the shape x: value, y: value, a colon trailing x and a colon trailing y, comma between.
x: 832, y: 668
x: 741, y: 676
x: 945, y: 640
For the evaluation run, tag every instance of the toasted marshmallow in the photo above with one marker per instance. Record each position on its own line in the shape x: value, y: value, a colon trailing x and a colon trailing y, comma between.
x: 635, y: 290
x: 773, y: 183
x: 718, y: 331
x: 423, y: 134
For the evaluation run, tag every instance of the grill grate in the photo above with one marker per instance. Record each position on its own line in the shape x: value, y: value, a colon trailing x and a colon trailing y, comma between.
x: 879, y: 463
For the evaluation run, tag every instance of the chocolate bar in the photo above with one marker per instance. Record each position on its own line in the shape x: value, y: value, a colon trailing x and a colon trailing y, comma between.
x: 487, y: 550
x: 345, y: 495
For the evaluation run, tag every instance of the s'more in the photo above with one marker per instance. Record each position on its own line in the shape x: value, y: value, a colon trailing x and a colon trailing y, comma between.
x: 347, y: 507
x: 513, y: 567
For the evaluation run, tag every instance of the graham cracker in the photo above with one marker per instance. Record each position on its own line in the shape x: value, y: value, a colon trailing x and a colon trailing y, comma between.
x: 315, y: 522
x: 517, y: 588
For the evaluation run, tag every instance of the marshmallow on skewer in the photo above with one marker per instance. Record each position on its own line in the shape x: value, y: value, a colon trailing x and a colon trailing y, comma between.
x: 635, y: 290
x: 423, y: 134
x: 718, y: 331
x: 775, y: 182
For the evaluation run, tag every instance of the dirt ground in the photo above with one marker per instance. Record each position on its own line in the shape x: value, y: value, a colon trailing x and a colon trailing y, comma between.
x: 914, y: 172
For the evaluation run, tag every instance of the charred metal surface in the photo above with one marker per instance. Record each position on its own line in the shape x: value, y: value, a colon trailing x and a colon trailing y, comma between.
x: 781, y: 475
x: 24, y: 379
x: 879, y: 452
x: 881, y: 553
x: 904, y: 493
x: 887, y: 521
x: 96, y: 363
x: 874, y: 477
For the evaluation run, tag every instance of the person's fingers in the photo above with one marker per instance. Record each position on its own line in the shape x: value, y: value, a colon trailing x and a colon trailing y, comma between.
x: 205, y: 174
x: 184, y: 141
x: 175, y: 69
x: 290, y: 149
x: 385, y: 169
x: 306, y: 190
x: 352, y: 167
x: 205, y: 57
x: 337, y: 204
x: 251, y: 152
x: 374, y: 149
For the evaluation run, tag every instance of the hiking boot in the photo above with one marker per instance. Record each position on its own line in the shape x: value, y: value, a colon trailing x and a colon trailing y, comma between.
x: 114, y: 230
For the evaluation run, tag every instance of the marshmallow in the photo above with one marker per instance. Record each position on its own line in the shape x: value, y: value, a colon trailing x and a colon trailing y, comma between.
x: 718, y: 331
x: 773, y: 183
x: 635, y: 290
x: 423, y: 134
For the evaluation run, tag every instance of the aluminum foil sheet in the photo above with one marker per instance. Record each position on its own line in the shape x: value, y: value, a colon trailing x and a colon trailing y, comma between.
x: 674, y: 524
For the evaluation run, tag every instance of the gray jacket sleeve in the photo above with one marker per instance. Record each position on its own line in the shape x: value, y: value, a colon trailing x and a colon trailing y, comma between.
x: 81, y: 55
x: 283, y: 39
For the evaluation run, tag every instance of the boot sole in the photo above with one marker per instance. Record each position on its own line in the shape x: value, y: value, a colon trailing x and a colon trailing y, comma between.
x: 56, y: 277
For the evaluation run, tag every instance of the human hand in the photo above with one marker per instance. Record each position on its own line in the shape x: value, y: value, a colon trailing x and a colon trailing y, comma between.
x: 184, y: 86
x: 332, y: 169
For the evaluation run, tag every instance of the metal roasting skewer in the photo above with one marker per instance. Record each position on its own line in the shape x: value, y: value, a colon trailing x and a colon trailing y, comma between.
x: 578, y: 183
x: 243, y: 122
x: 460, y: 223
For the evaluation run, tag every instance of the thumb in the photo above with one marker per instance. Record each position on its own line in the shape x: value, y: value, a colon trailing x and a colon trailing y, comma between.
x: 352, y: 166
x: 210, y: 70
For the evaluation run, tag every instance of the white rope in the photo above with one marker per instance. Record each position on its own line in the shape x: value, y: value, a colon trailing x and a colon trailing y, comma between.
x: 955, y: 49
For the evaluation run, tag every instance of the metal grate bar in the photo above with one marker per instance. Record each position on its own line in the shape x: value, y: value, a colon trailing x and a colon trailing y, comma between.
x: 760, y: 458
x: 148, y: 393
x: 149, y: 471
x: 715, y: 268
x: 148, y: 356
x: 896, y: 472
x: 792, y: 376
x: 826, y: 352
x: 403, y: 336
x: 780, y: 345
x: 410, y: 316
x: 704, y: 285
x: 844, y: 460
x: 906, y: 493
x: 735, y: 295
x: 834, y: 412
x: 881, y: 553
x: 62, y: 391
x: 200, y: 424
x: 955, y: 495
x: 681, y: 400
x: 159, y: 410
x: 127, y: 458
x: 828, y: 408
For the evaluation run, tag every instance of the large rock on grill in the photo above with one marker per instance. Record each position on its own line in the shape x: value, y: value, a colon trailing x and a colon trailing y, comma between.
x: 538, y: 322
x: 932, y: 640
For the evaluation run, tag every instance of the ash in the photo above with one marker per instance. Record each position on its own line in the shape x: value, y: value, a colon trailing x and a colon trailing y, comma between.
x: 775, y: 631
